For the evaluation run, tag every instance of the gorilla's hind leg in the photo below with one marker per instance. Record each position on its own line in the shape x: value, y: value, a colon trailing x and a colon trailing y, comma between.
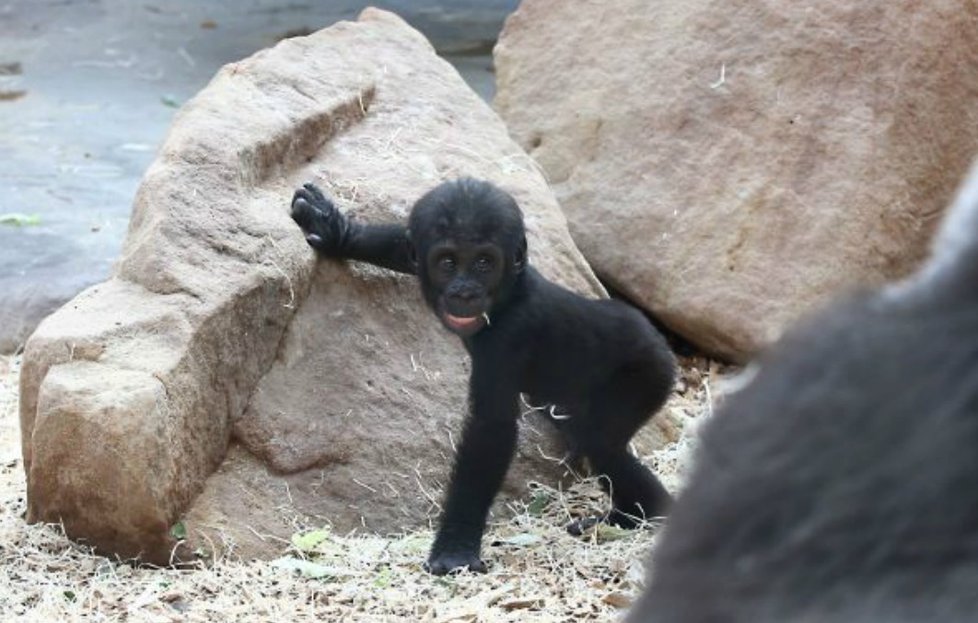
x: 614, y: 416
x: 636, y: 493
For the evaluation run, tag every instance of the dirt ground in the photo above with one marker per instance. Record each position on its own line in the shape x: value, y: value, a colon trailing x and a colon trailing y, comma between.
x: 538, y: 572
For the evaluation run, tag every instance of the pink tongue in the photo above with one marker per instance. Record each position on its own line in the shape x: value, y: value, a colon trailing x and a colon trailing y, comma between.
x: 461, y: 323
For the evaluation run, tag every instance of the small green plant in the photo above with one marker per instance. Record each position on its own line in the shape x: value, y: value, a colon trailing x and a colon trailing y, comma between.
x: 17, y: 219
x: 178, y: 531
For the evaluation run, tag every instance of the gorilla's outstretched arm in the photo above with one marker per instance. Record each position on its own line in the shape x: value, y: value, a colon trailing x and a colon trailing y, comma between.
x: 334, y: 234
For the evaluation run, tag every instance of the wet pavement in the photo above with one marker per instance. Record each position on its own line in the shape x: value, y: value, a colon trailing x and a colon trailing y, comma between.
x: 88, y: 89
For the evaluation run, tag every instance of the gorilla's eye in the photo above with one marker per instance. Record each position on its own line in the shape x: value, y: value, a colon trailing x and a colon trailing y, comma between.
x: 483, y: 264
x: 446, y: 263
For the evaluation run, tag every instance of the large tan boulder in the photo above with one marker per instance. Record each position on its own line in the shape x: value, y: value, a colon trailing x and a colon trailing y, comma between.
x: 226, y: 382
x: 730, y: 164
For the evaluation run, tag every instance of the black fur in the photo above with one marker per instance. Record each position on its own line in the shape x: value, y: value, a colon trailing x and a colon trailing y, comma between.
x: 841, y: 485
x: 600, y: 360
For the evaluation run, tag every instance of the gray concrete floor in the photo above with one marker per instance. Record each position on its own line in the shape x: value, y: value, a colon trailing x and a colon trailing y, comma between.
x: 88, y: 89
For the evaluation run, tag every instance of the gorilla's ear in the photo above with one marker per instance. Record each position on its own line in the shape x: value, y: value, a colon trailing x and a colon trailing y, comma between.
x: 519, y: 260
x: 412, y: 252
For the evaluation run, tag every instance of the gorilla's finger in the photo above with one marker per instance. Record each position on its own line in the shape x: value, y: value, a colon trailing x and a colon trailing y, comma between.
x: 304, y: 195
x: 302, y: 212
x: 315, y: 192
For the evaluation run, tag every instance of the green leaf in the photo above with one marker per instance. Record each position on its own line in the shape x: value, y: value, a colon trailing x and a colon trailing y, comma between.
x: 606, y: 532
x: 17, y: 219
x: 308, y: 569
x: 412, y: 544
x: 522, y: 540
x: 384, y: 577
x: 169, y: 100
x: 306, y: 542
x: 178, y: 531
x: 538, y: 504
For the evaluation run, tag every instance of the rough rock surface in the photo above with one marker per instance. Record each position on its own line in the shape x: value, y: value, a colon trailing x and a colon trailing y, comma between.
x: 730, y: 164
x: 320, y: 392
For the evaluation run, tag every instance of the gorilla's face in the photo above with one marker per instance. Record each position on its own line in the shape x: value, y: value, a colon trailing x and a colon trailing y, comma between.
x: 465, y: 278
x: 469, y: 246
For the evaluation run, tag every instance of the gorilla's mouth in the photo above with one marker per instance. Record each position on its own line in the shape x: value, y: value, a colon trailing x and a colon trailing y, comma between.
x: 464, y: 325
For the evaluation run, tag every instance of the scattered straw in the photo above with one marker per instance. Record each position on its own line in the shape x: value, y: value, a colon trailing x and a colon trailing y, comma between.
x: 538, y: 572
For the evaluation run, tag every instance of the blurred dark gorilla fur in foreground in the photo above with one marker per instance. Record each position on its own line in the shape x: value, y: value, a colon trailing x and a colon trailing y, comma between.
x: 841, y: 484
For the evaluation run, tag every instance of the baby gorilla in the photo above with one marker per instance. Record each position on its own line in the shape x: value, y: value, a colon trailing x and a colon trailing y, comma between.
x: 600, y: 360
x: 841, y: 484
